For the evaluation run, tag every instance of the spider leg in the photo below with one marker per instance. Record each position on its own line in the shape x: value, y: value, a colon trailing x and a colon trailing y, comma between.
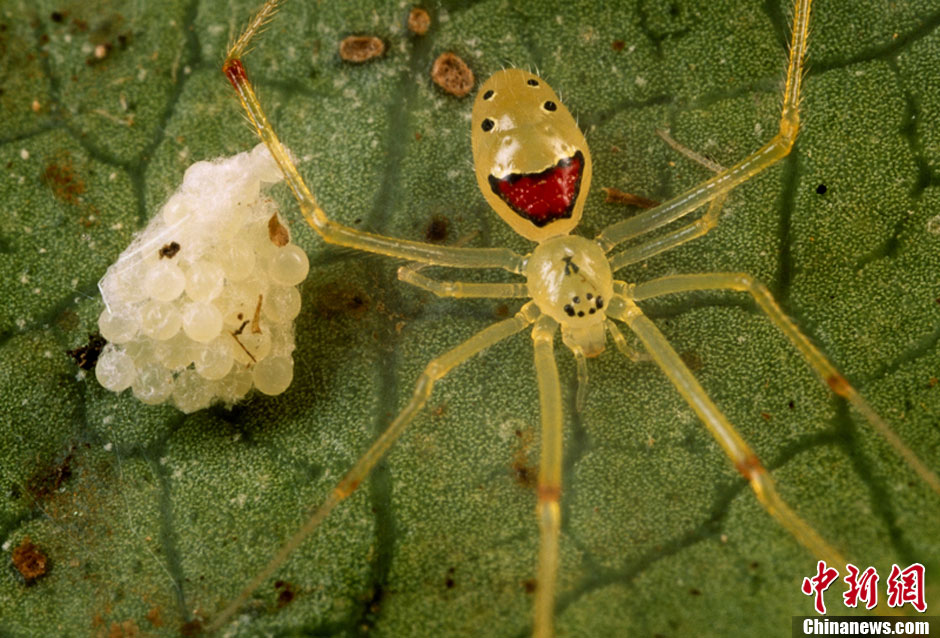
x: 723, y: 182
x: 459, y: 289
x: 670, y: 240
x: 742, y: 282
x: 331, y: 231
x: 550, y: 463
x: 434, y: 371
x: 744, y: 459
x: 621, y: 342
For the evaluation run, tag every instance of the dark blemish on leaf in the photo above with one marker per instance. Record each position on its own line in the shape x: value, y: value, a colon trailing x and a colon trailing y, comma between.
x: 285, y: 594
x: 361, y: 48
x: 153, y: 616
x: 29, y: 561
x: 419, y: 21
x: 449, y: 582
x: 502, y: 310
x: 452, y: 74
x: 765, y: 416
x: 618, y: 45
x: 821, y: 189
x: 436, y: 230
x: 791, y: 404
x: 334, y: 299
x: 529, y: 585
x: 56, y: 16
x: 86, y: 356
x: 191, y: 628
x: 59, y: 175
x: 45, y: 481
x: 277, y: 232
x: 169, y: 250
x: 692, y: 360
x: 524, y: 473
x: 695, y: 592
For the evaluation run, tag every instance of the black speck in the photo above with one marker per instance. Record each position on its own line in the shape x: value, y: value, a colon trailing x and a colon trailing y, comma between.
x: 821, y: 189
x: 488, y: 95
x: 169, y: 250
x: 87, y: 356
x: 56, y: 16
x: 533, y: 82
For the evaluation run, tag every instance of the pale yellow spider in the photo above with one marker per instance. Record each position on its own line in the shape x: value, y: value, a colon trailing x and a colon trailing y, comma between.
x: 534, y: 169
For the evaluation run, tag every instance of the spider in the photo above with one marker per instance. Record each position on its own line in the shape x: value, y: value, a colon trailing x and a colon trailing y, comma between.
x: 533, y: 167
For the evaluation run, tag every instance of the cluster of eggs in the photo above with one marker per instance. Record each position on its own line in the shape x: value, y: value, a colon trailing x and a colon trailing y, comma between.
x: 200, y: 307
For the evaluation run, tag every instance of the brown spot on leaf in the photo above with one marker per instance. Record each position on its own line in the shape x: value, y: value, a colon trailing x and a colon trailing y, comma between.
x: 59, y: 175
x: 29, y: 561
x: 361, y: 48
x: 618, y: 45
x: 277, y: 232
x: 87, y: 356
x: 334, y: 299
x: 419, y: 21
x: 285, y: 594
x: 436, y: 230
x: 452, y: 74
x: 529, y: 585
x: 169, y: 250
x: 153, y: 616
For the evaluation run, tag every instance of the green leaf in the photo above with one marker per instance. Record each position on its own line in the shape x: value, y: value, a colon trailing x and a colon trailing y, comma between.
x: 151, y: 519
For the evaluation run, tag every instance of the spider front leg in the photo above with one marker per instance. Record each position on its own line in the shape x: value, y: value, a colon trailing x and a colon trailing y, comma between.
x: 331, y: 231
x: 743, y: 282
x: 435, y: 370
x: 460, y: 289
x: 738, y: 451
x: 723, y: 182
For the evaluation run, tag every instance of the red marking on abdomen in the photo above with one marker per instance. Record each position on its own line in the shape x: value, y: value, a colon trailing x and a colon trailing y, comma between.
x: 235, y: 72
x: 543, y: 197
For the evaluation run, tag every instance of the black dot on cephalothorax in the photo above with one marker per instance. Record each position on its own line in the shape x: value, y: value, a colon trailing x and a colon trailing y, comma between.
x: 580, y: 313
x: 568, y: 309
x: 589, y: 296
x: 599, y: 303
x: 592, y: 311
x: 576, y: 299
x: 532, y: 82
x: 549, y: 106
x: 487, y: 125
x: 488, y: 94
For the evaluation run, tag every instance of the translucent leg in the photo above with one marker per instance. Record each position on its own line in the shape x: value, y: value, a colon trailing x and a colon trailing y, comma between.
x: 827, y: 372
x: 621, y: 342
x: 696, y: 229
x: 330, y: 230
x: 743, y: 457
x: 723, y: 182
x: 581, y: 362
x: 549, y: 489
x: 435, y: 370
x: 460, y: 289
